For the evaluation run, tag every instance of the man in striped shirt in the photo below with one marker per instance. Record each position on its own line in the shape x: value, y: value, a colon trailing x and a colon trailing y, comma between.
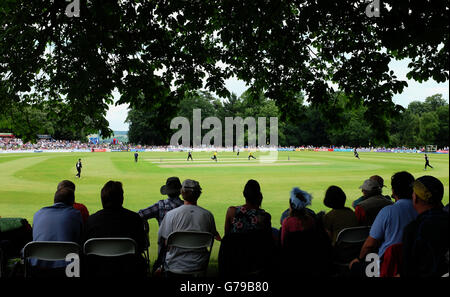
x: 172, y: 189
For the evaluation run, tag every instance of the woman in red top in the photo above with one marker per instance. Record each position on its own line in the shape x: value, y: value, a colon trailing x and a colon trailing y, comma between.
x: 299, y: 219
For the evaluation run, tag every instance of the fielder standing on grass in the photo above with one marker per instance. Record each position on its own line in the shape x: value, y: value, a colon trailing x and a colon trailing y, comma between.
x: 79, y: 166
x: 355, y: 153
x: 189, y: 156
x: 427, y: 162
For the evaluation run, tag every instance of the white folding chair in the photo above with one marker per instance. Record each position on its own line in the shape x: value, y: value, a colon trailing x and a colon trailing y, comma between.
x: 194, y: 241
x: 48, y: 251
x: 110, y: 247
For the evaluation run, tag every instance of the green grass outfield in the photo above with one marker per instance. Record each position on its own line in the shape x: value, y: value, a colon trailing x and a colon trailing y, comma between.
x: 28, y: 181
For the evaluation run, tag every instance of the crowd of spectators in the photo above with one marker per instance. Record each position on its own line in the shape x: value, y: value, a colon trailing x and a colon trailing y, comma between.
x: 409, y: 234
x: 16, y: 144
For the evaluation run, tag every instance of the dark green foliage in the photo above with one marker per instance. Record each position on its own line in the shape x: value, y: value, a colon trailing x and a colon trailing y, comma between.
x: 345, y: 124
x: 153, y: 52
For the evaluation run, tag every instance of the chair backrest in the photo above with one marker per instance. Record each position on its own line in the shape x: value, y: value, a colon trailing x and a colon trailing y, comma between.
x: 50, y: 250
x: 353, y: 235
x: 110, y: 247
x: 190, y: 239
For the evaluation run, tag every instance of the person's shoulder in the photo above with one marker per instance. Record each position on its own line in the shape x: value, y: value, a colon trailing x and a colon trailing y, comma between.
x: 175, y: 211
x: 388, y: 210
x: 203, y: 210
x: 96, y: 215
x: 330, y: 215
x: 130, y: 213
x: 289, y: 220
x: 232, y: 209
x: 41, y: 211
x: 411, y: 227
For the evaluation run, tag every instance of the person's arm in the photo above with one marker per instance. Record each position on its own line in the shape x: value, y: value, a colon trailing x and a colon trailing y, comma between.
x: 370, y: 245
x: 286, y: 227
x: 149, y: 212
x: 229, y: 218
x: 327, y: 226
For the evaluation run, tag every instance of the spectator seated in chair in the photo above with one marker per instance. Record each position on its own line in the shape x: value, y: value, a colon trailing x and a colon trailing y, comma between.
x: 425, y: 239
x: 115, y: 221
x: 387, y: 229
x: 188, y: 217
x: 367, y: 210
x: 79, y: 206
x: 340, y: 217
x: 305, y: 246
x: 59, y: 222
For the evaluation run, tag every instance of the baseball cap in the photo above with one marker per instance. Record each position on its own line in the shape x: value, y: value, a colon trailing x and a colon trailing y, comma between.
x: 172, y: 186
x: 428, y: 189
x: 191, y: 185
x: 370, y: 185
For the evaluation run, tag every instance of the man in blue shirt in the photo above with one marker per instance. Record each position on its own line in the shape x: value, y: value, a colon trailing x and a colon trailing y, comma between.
x: 387, y: 229
x: 59, y: 222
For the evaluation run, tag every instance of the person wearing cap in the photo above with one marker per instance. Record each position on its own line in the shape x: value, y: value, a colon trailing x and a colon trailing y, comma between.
x: 387, y: 228
x: 188, y: 217
x: 380, y: 182
x: 425, y: 239
x: 159, y: 209
x: 373, y: 202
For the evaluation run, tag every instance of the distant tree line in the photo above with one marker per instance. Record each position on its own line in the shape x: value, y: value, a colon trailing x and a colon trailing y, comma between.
x: 419, y: 124
x: 343, y: 123
x: 59, y: 120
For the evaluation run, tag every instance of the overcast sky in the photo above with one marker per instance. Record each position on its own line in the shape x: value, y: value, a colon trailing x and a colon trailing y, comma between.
x: 415, y: 91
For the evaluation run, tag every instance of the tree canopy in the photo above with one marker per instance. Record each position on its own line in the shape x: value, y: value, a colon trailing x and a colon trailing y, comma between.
x: 153, y: 52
